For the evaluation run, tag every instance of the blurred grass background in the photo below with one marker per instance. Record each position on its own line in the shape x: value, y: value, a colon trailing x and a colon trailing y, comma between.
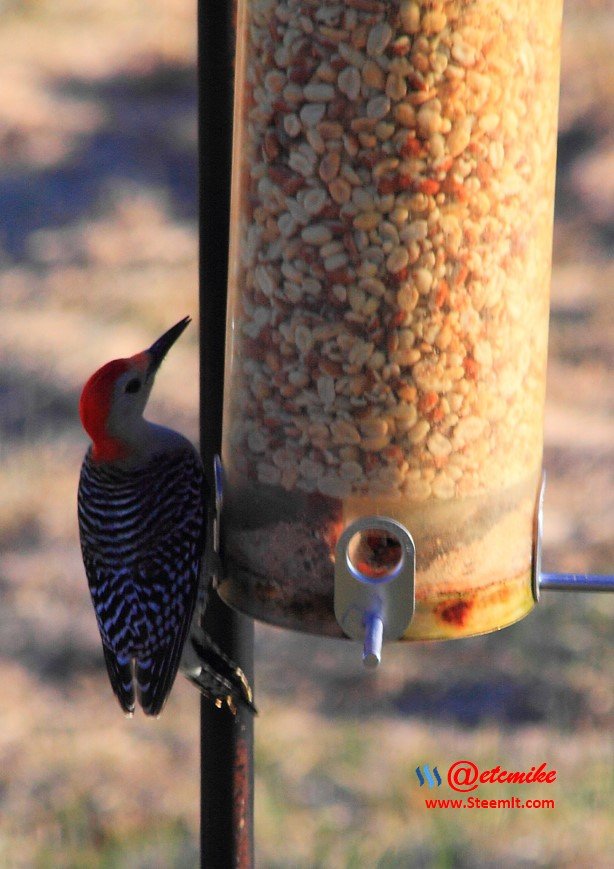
x: 98, y: 254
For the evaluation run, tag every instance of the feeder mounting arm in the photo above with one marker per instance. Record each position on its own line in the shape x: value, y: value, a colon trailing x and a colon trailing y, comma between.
x: 560, y: 581
x: 576, y: 582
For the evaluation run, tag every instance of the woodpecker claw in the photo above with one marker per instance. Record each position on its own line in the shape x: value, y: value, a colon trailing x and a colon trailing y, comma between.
x: 215, y: 675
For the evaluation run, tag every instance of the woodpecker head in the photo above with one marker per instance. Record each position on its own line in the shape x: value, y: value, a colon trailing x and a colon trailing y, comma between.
x: 114, y: 398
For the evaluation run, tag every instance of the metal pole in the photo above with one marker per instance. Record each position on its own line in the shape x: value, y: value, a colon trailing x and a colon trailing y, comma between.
x: 226, y: 740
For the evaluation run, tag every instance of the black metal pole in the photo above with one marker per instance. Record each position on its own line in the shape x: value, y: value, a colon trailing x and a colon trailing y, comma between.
x: 227, y: 774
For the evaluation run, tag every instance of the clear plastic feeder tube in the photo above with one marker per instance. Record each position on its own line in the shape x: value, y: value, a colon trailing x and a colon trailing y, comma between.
x: 393, y: 186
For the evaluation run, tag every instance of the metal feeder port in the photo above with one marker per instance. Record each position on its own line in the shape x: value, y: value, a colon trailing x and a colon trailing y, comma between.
x: 375, y: 563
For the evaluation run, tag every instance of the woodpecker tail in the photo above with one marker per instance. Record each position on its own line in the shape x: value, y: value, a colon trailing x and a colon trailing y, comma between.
x: 121, y: 675
x: 215, y: 674
x: 155, y: 674
x: 154, y: 680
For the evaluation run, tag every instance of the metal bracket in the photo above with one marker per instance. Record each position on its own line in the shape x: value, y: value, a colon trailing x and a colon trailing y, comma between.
x: 538, y: 525
x: 191, y: 663
x: 375, y: 601
x: 560, y: 581
x: 213, y: 564
x: 218, y: 478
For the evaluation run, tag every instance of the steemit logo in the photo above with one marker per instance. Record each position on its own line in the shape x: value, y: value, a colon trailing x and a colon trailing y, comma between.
x: 424, y: 773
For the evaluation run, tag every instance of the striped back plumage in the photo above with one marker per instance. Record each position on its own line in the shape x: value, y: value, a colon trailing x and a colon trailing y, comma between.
x: 141, y: 537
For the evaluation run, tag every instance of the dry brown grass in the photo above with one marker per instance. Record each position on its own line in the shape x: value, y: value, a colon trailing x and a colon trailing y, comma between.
x: 98, y: 254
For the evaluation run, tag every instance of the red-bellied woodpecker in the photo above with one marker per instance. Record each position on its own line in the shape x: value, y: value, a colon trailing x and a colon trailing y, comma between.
x: 142, y: 504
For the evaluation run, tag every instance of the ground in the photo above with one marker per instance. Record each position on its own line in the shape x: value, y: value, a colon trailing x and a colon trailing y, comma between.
x: 98, y: 255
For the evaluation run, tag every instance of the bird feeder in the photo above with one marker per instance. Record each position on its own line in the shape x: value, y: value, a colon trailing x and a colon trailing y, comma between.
x: 390, y: 253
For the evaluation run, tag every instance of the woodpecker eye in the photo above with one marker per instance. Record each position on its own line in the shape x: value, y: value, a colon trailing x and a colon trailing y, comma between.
x: 133, y: 385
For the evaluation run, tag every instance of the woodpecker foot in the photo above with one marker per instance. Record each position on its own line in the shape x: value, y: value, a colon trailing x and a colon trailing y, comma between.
x: 215, y: 675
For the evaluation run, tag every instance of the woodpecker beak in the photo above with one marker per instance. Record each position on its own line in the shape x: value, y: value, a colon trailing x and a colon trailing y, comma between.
x: 160, y: 348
